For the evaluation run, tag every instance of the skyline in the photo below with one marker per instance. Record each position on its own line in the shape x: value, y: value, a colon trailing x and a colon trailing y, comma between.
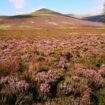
x: 14, y: 7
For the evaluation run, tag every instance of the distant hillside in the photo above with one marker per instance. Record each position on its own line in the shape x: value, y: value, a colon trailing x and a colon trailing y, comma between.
x: 97, y: 18
x: 44, y: 18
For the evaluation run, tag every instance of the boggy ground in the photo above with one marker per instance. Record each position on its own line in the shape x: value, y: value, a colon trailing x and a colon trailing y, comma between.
x: 67, y: 70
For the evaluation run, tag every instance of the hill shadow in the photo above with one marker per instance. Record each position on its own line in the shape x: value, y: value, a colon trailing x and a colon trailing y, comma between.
x: 20, y: 17
x: 97, y: 18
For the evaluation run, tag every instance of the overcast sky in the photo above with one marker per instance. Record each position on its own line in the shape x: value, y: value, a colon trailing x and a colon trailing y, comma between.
x: 13, y: 7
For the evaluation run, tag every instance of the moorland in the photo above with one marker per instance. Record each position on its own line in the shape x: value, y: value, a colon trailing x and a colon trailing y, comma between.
x: 48, y: 58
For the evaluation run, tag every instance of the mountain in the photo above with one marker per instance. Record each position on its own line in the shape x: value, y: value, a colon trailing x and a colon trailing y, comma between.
x: 97, y: 18
x: 88, y: 17
x: 44, y: 18
x: 45, y: 12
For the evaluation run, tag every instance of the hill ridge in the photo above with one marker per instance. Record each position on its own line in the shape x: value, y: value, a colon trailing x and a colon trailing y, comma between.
x: 45, y: 18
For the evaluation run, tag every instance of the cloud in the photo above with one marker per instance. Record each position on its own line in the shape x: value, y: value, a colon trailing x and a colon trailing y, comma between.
x: 18, y: 4
x: 99, y: 6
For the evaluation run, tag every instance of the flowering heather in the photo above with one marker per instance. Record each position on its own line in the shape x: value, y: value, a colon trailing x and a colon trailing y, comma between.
x: 94, y: 78
x: 49, y: 77
x: 102, y: 71
x: 83, y: 45
x: 45, y: 88
x: 37, y: 69
x: 11, y: 88
x: 14, y: 83
x: 65, y: 88
x: 62, y: 62
x: 41, y: 77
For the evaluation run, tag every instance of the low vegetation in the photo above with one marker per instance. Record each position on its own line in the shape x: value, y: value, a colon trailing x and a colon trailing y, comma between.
x: 29, y: 32
x: 42, y: 68
x: 4, y: 27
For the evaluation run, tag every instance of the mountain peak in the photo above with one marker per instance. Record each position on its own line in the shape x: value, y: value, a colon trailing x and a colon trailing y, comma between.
x: 45, y: 11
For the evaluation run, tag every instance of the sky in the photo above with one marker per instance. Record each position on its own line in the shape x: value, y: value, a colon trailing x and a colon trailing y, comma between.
x: 14, y: 7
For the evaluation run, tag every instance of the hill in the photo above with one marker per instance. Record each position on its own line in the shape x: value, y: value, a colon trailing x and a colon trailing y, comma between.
x: 97, y: 18
x: 44, y: 12
x: 44, y: 18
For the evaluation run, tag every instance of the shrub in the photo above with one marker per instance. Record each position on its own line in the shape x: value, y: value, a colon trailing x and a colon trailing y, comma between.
x: 11, y: 88
x: 94, y: 78
x: 9, y: 66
